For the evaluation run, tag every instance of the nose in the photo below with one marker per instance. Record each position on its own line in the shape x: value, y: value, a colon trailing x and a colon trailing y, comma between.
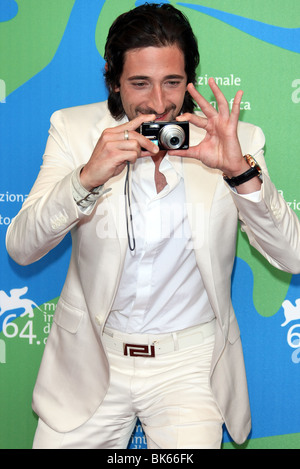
x: 157, y: 100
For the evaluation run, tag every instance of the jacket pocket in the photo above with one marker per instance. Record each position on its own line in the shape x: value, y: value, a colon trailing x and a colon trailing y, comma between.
x: 68, y: 317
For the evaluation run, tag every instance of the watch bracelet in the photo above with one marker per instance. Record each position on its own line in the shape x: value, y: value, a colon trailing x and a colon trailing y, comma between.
x: 252, y: 172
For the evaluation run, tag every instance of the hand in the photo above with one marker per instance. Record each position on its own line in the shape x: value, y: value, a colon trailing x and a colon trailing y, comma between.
x: 220, y: 148
x: 113, y: 151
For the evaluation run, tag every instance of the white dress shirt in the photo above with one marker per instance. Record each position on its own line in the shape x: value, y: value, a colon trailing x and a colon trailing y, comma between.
x: 161, y: 289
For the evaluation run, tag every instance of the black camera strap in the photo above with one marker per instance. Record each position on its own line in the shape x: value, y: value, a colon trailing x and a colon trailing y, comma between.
x: 128, y: 212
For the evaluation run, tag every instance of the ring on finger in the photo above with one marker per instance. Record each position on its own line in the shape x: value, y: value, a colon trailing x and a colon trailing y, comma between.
x: 126, y: 135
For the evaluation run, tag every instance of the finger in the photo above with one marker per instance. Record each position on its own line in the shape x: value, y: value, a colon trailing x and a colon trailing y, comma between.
x: 126, y: 141
x: 236, y: 107
x: 132, y: 127
x: 143, y: 142
x: 137, y: 142
x: 204, y: 105
x: 223, y: 106
x: 147, y: 144
x: 193, y: 119
x: 135, y: 123
x: 189, y: 153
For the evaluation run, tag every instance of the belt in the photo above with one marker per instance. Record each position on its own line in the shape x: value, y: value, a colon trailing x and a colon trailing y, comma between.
x: 134, y: 345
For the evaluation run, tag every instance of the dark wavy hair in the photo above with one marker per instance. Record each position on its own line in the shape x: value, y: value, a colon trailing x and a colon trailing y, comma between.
x: 148, y: 25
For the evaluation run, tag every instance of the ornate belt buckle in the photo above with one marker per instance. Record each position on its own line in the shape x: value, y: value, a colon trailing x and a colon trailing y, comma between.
x: 134, y: 350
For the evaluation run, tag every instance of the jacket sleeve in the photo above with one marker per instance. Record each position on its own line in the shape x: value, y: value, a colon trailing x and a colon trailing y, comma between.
x: 50, y: 211
x: 272, y: 227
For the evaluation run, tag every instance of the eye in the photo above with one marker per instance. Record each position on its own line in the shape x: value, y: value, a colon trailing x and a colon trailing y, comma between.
x: 139, y: 84
x: 173, y: 83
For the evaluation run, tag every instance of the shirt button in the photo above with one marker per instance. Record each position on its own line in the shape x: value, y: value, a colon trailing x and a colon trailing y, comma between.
x: 98, y: 320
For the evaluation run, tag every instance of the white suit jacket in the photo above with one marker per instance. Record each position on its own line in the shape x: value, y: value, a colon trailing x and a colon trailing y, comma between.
x: 74, y: 373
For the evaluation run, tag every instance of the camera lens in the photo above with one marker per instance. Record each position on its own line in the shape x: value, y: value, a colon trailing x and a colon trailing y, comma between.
x: 171, y: 136
x: 174, y: 141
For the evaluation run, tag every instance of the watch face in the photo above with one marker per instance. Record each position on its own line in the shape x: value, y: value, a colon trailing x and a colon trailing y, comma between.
x: 252, y: 162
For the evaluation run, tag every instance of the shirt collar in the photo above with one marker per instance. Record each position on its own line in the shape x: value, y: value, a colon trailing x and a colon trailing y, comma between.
x: 174, y: 161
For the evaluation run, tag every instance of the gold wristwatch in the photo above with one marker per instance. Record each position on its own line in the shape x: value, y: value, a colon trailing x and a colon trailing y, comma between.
x: 255, y: 170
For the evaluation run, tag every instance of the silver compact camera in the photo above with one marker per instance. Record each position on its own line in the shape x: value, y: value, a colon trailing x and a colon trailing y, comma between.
x: 167, y: 135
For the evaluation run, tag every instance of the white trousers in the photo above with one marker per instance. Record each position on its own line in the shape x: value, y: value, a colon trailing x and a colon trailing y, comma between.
x: 169, y: 393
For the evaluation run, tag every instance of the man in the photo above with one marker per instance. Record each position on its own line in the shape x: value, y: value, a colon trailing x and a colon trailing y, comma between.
x: 144, y: 327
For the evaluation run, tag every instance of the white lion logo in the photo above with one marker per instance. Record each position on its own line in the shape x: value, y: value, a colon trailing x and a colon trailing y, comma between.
x: 14, y: 301
x: 291, y: 312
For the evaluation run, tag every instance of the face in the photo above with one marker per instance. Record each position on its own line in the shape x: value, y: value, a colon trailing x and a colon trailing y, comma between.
x: 153, y: 82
